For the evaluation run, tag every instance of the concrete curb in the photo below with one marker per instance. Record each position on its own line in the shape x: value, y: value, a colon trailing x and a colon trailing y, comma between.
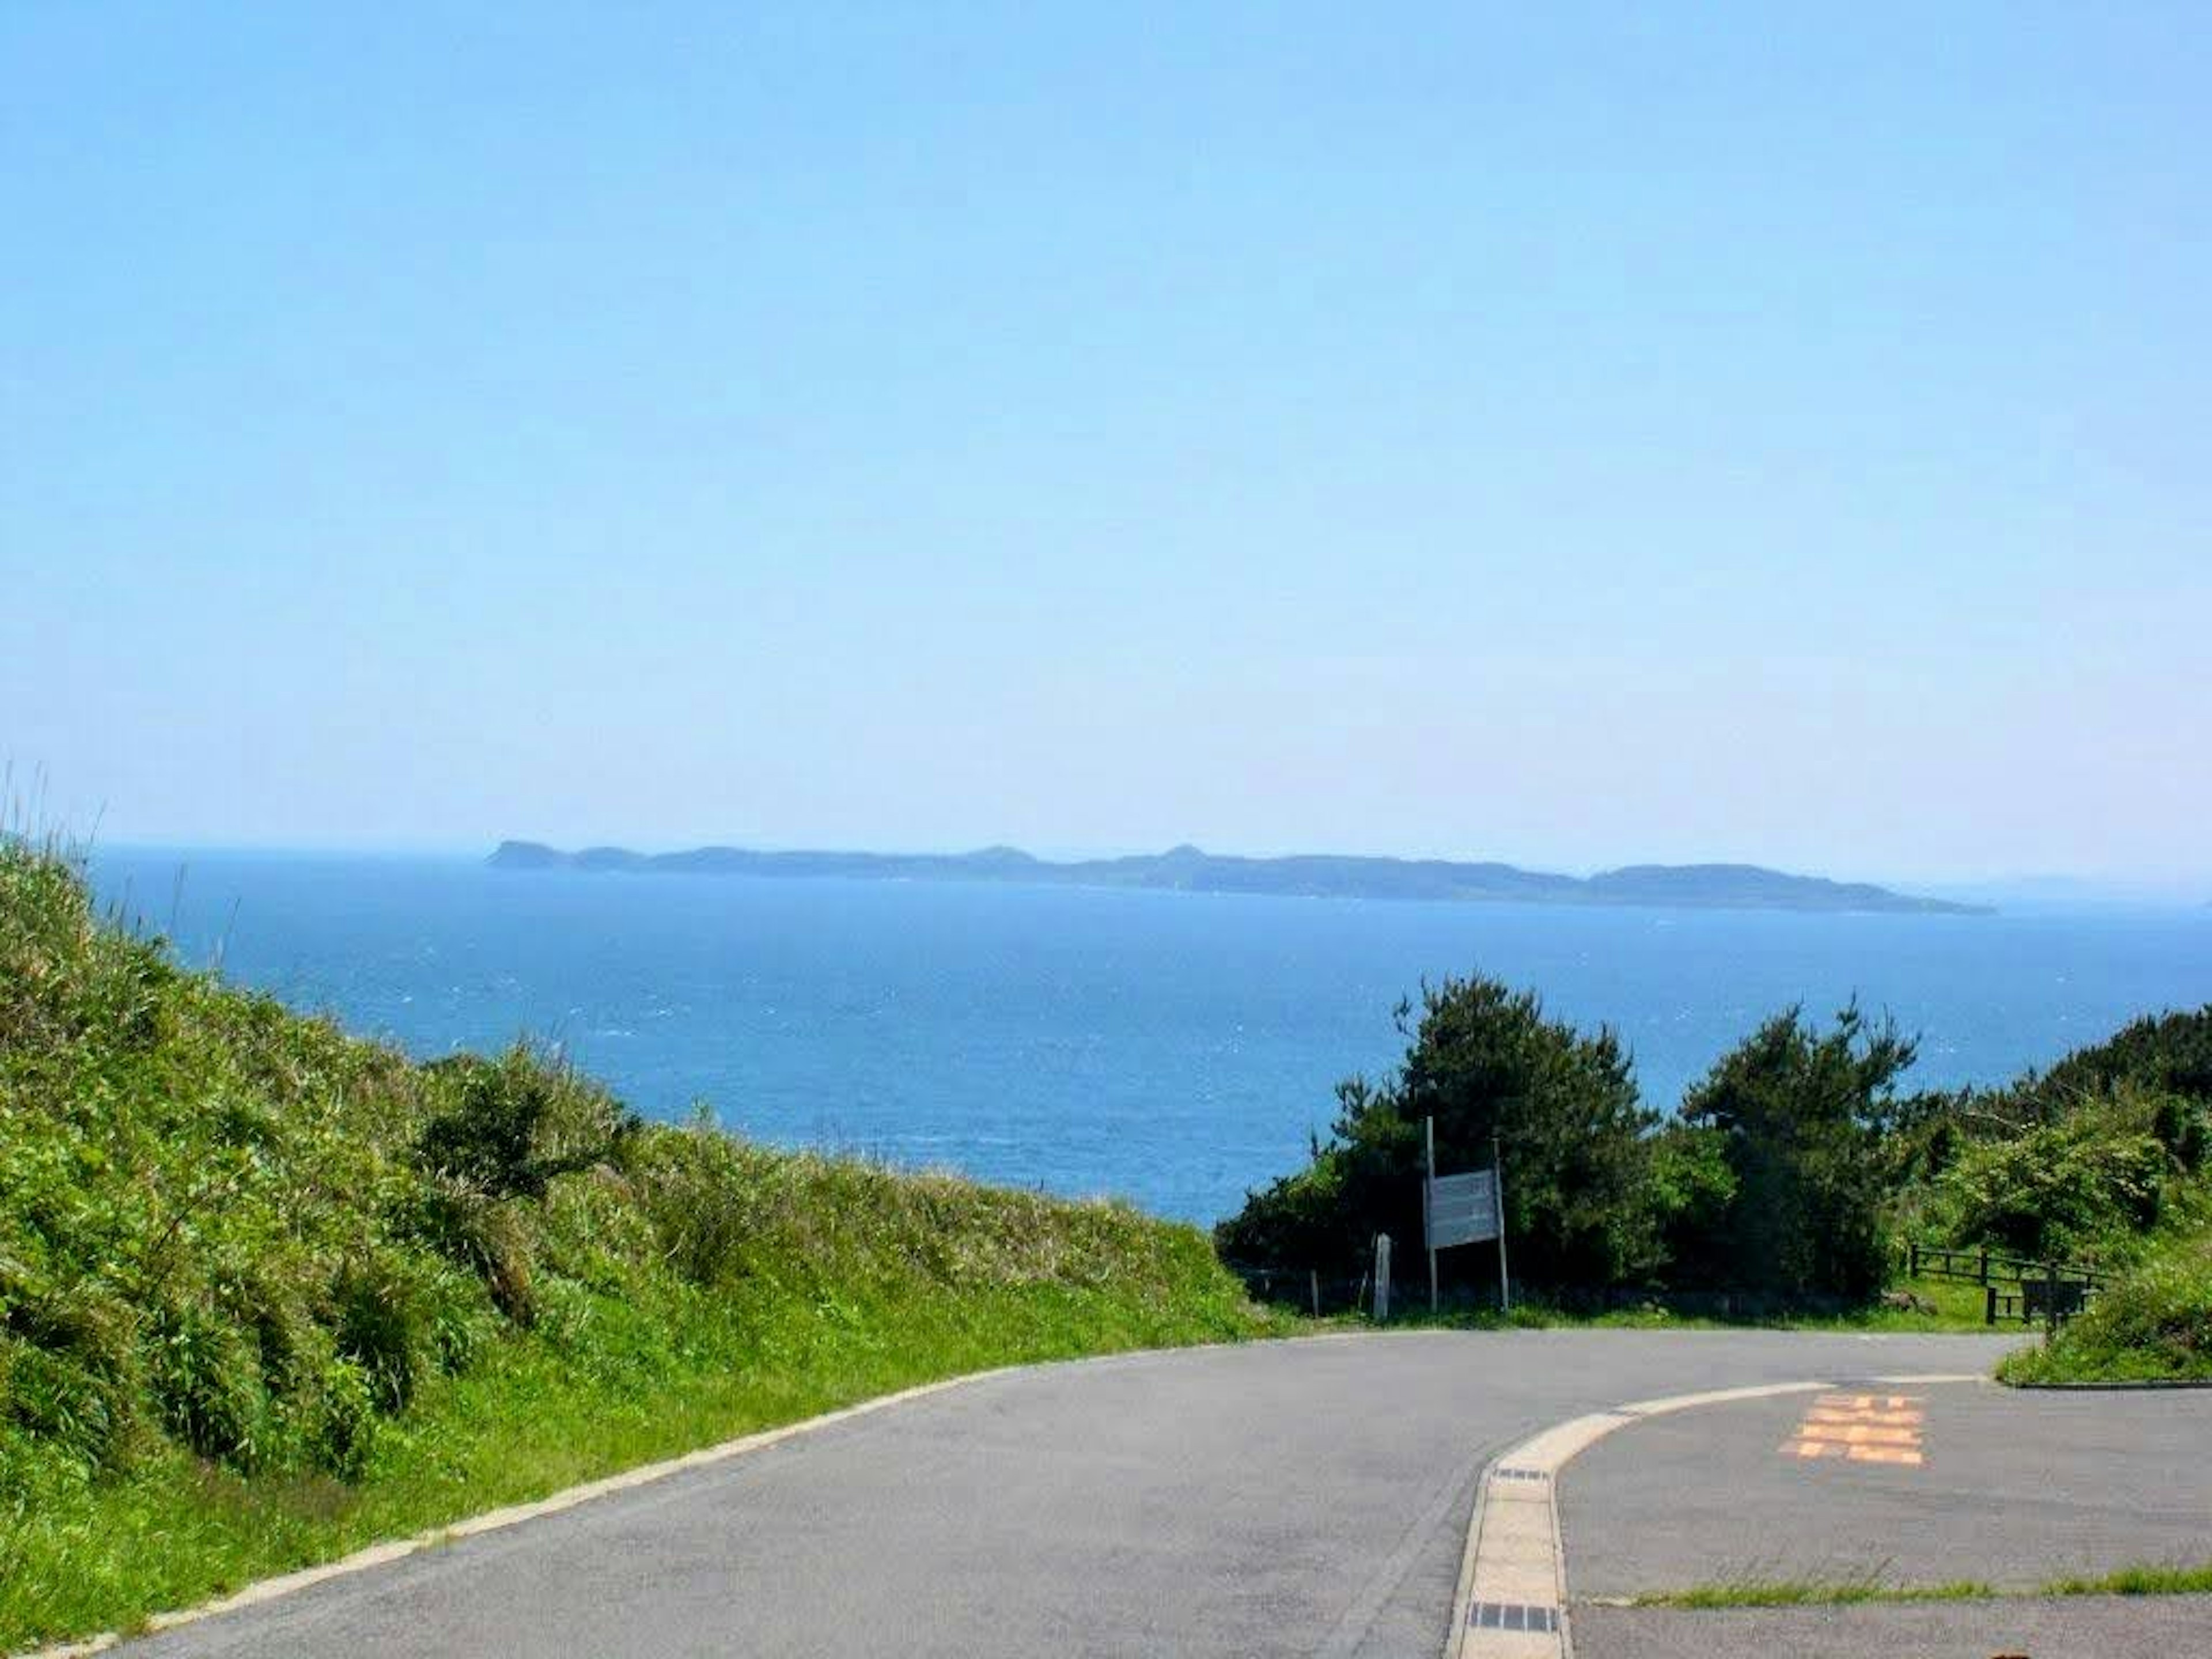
x: 2150, y: 1385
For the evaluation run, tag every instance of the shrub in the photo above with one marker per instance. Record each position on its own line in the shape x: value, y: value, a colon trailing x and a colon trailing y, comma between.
x: 697, y: 1194
x: 488, y: 1236
x: 66, y: 1402
x: 73, y: 1367
x: 507, y: 1126
x: 2169, y: 1054
x: 206, y: 1382
x: 1485, y: 1063
x: 400, y: 1318
x: 341, y: 1432
x: 2155, y: 1323
x: 2073, y: 1188
x: 1799, y: 1113
x: 1692, y: 1188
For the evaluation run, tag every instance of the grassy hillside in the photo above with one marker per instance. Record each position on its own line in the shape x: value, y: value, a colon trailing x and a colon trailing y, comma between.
x: 268, y: 1292
x: 2107, y: 1158
x: 2154, y: 1325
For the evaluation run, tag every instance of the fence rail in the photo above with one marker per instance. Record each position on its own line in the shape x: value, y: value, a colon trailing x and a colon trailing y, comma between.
x: 2047, y: 1291
x: 2015, y: 1290
x: 1332, y: 1290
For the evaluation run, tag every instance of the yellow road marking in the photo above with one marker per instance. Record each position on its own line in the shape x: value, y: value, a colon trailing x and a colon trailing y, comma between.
x: 1861, y: 1428
x: 1885, y: 1419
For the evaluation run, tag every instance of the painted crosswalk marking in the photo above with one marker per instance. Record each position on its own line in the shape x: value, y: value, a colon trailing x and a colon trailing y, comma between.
x: 1861, y: 1428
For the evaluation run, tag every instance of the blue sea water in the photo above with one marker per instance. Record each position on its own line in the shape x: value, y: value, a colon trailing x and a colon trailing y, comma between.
x: 1172, y: 1048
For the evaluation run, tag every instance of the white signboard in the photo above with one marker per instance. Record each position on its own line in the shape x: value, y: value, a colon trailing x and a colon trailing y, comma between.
x: 1462, y: 1209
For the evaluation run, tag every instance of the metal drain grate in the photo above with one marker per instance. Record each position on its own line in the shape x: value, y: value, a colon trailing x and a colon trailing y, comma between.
x: 1511, y: 1615
x: 1519, y: 1474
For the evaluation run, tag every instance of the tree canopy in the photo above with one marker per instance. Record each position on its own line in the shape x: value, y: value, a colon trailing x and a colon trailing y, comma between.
x: 1485, y: 1061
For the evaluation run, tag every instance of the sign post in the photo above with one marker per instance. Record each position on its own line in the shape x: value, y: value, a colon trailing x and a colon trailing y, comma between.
x: 1498, y: 1183
x: 1462, y: 1209
x: 1429, y: 1202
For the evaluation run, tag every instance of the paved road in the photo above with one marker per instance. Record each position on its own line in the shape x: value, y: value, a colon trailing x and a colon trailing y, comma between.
x: 2015, y: 1488
x: 1304, y: 1497
x: 2072, y: 1628
x: 2011, y: 1488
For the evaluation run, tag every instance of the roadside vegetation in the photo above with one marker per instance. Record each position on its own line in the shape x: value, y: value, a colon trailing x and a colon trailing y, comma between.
x: 268, y: 1293
x: 2153, y: 1579
x: 1788, y: 1185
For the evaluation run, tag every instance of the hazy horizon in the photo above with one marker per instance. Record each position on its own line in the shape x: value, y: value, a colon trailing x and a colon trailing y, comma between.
x: 1574, y: 439
x: 2025, y: 886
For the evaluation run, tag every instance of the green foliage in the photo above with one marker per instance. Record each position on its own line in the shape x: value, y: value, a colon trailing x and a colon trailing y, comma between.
x: 2093, y: 1159
x: 207, y: 1384
x: 267, y: 1293
x: 2166, y: 1054
x: 2075, y: 1188
x: 506, y: 1127
x: 1691, y: 1196
x: 1770, y: 1182
x: 2155, y: 1324
x: 1484, y: 1061
x: 1799, y: 1113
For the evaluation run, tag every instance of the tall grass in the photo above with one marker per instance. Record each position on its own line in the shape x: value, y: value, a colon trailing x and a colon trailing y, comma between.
x: 268, y: 1292
x: 2153, y: 1325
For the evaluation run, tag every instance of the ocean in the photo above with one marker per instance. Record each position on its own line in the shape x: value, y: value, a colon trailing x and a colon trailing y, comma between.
x: 1175, y: 1050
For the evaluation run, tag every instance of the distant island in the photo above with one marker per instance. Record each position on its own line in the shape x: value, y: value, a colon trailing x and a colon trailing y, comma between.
x: 1188, y: 870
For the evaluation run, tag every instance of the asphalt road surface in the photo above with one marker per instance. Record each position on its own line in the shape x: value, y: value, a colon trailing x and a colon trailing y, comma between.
x: 2010, y: 1487
x: 2067, y: 1627
x: 1291, y: 1497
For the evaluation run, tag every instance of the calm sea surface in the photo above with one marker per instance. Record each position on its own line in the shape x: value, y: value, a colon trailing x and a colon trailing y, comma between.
x: 1173, y: 1049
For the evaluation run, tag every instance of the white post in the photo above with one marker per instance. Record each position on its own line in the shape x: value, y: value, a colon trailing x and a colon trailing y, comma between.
x: 1381, y: 1277
x: 1498, y: 1194
x: 1428, y: 1197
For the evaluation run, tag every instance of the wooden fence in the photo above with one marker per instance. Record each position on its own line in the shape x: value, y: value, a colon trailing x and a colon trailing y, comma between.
x: 2050, y: 1291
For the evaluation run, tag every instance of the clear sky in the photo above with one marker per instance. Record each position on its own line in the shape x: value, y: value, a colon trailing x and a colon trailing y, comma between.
x: 1570, y: 434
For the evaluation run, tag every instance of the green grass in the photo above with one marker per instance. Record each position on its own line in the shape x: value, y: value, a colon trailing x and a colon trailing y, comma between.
x: 2137, y: 1581
x: 2153, y: 1325
x: 1803, y: 1593
x: 1810, y: 1593
x: 269, y: 1294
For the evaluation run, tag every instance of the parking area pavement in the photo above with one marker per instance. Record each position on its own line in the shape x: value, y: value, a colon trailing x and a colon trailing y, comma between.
x: 1926, y: 1484
x: 1895, y: 1486
x: 2071, y: 1627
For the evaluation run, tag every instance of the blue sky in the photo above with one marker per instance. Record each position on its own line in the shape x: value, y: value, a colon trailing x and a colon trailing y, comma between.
x: 1571, y: 434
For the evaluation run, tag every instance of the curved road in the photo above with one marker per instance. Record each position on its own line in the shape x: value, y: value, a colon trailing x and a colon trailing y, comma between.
x: 1285, y: 1497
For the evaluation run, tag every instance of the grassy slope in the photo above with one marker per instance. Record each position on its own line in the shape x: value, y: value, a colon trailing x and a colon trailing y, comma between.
x: 2154, y: 1325
x: 2107, y: 1158
x: 267, y: 1293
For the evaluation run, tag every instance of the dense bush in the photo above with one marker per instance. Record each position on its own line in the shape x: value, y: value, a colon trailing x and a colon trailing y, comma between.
x: 2076, y: 1187
x: 1485, y: 1063
x: 2155, y: 1323
x: 505, y: 1128
x: 2099, y: 1157
x: 2166, y: 1054
x: 1798, y: 1116
x: 1691, y: 1196
x: 1795, y: 1170
x: 1770, y: 1181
